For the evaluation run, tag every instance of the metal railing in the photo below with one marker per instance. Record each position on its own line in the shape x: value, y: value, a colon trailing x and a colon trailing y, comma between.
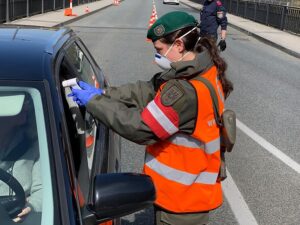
x: 291, y: 3
x: 16, y: 9
x: 279, y: 16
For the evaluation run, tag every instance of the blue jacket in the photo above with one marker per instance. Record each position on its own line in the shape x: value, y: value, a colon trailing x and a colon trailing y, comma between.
x: 212, y: 15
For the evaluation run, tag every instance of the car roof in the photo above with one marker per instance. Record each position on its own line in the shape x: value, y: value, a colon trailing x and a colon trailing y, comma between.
x: 23, y: 51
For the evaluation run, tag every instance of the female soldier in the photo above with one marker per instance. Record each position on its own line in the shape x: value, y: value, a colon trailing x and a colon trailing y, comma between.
x: 173, y: 115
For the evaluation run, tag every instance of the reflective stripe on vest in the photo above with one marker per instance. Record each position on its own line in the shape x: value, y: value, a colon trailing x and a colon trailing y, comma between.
x: 190, y: 142
x: 179, y: 176
x: 219, y: 91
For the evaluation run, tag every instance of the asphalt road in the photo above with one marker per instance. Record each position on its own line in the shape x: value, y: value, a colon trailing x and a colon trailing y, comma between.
x: 264, y: 183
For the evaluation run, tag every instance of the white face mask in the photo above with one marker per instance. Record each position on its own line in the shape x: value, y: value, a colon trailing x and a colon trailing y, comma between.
x: 162, y: 61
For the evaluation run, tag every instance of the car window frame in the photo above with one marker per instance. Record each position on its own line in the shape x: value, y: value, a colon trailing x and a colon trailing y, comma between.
x: 82, y: 177
x: 65, y: 132
x: 62, y: 55
x: 100, y: 78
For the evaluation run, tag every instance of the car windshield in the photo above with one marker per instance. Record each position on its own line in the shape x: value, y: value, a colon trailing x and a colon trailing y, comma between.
x: 25, y: 181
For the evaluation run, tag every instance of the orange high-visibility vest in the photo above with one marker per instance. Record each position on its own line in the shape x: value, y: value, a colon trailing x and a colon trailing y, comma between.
x: 185, y: 168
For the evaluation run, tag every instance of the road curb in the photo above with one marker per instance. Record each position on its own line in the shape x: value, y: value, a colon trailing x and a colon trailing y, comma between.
x: 266, y: 41
x: 81, y: 16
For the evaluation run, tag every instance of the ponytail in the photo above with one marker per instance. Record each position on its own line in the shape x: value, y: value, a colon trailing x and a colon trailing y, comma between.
x: 206, y: 43
x: 193, y: 43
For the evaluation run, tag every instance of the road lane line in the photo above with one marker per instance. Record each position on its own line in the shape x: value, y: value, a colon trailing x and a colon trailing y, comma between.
x: 237, y: 203
x: 269, y: 147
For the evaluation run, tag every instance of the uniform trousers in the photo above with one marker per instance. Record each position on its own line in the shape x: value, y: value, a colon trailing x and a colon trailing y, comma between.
x: 163, y: 217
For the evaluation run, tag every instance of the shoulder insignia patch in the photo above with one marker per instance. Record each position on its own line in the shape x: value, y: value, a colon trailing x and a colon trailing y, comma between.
x: 170, y: 96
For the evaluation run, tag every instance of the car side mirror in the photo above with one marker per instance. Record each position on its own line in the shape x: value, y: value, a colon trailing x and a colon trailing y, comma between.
x: 119, y: 194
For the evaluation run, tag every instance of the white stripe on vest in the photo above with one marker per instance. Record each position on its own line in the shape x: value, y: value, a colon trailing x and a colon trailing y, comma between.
x: 178, y: 175
x: 219, y: 91
x: 188, y: 141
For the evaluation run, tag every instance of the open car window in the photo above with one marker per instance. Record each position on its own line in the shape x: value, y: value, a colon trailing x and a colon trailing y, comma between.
x: 25, y: 179
x: 76, y: 65
x: 105, y: 141
x: 83, y: 131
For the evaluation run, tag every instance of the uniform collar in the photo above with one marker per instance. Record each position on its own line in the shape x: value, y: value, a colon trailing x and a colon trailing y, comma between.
x: 184, y: 69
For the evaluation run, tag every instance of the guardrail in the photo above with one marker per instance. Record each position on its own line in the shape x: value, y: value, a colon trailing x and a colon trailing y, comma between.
x: 16, y: 9
x: 278, y: 16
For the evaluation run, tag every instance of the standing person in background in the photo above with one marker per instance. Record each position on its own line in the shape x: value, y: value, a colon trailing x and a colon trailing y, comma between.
x: 213, y: 15
x: 173, y: 115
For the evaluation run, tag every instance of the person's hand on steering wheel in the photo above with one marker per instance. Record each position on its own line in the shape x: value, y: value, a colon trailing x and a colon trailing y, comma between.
x: 22, y: 214
x: 16, y: 207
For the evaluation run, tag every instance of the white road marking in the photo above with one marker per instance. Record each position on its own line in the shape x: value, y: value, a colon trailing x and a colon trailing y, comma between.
x: 269, y: 147
x: 237, y: 203
x: 234, y: 197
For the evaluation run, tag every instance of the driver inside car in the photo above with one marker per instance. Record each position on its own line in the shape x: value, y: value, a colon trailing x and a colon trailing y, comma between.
x: 19, y: 152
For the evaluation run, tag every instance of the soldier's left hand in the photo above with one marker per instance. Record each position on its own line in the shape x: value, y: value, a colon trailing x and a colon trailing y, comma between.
x: 222, y: 45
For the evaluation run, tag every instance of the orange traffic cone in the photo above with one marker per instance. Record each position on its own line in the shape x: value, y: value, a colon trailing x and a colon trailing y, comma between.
x: 68, y: 11
x: 96, y: 83
x: 116, y: 2
x: 87, y: 9
x: 89, y: 140
x: 155, y: 13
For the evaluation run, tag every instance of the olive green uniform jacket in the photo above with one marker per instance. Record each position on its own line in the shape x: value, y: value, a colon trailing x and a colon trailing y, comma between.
x: 120, y: 108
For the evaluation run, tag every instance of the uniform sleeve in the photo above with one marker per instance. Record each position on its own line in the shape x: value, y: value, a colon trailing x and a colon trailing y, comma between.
x: 121, y: 117
x: 146, y: 125
x: 221, y: 15
x: 174, y: 110
x: 133, y: 95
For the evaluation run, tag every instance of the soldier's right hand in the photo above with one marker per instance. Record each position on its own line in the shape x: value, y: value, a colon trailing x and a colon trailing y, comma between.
x: 83, y: 96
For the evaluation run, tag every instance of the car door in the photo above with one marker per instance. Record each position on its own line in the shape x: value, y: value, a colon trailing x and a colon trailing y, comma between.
x: 95, y: 148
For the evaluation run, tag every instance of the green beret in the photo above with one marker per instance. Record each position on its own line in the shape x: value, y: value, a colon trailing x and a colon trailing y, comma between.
x: 169, y: 23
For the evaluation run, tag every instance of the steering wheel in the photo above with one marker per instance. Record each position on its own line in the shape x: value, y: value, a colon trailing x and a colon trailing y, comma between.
x: 13, y: 204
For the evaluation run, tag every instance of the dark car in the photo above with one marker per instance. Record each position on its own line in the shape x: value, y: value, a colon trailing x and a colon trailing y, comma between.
x: 55, y: 159
x: 175, y: 2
